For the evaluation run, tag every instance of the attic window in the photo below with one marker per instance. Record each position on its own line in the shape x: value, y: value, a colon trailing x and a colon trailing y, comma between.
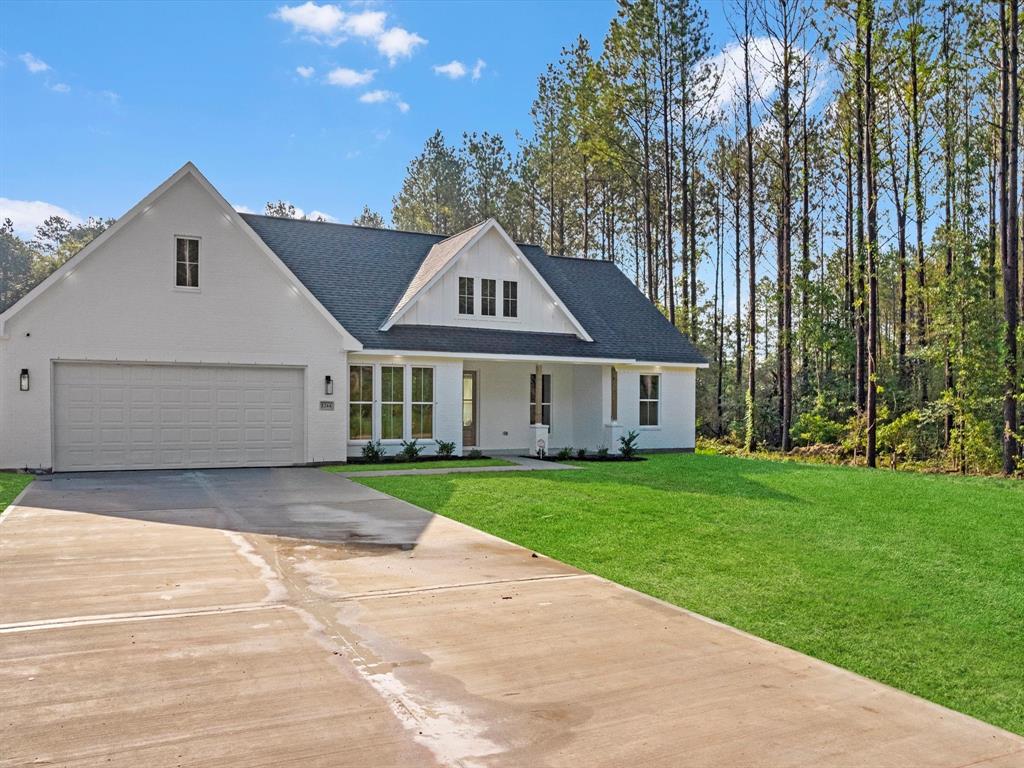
x: 465, y: 295
x: 488, y: 297
x: 511, y: 297
x: 186, y: 262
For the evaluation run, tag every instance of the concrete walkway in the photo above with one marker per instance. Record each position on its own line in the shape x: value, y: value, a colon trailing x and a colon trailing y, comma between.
x: 520, y: 464
x: 295, y: 618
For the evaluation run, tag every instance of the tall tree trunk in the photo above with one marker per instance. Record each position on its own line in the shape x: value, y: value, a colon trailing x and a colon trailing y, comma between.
x: 751, y: 415
x: 738, y: 330
x: 872, y: 244
x: 860, y: 301
x: 1009, y: 140
x: 919, y: 207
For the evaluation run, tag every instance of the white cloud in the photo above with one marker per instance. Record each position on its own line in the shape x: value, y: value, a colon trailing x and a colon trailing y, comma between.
x: 730, y: 64
x: 382, y: 97
x: 60, y: 87
x: 376, y: 97
x: 453, y: 69
x: 478, y: 68
x: 29, y: 214
x: 32, y: 64
x: 397, y: 43
x: 242, y: 208
x: 314, y: 215
x: 366, y: 24
x: 306, y: 72
x: 322, y: 22
x: 330, y: 25
x: 348, y: 78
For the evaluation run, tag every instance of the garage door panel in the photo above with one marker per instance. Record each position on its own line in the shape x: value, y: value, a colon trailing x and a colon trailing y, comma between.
x: 113, y: 416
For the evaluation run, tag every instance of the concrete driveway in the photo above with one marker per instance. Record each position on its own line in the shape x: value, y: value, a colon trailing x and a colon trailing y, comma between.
x: 295, y: 618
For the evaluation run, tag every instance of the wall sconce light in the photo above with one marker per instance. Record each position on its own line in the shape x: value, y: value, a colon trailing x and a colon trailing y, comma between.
x: 23, y: 380
x: 328, y: 385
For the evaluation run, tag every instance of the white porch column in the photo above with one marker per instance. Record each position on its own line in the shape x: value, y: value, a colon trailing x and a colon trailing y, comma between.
x: 538, y: 431
x: 613, y: 430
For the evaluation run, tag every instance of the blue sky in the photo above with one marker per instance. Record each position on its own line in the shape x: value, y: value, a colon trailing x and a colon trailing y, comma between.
x: 100, y: 102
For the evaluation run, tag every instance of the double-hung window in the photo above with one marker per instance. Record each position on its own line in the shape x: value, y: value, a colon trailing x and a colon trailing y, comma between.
x: 392, y: 401
x: 650, y: 386
x: 465, y: 295
x: 510, y: 306
x: 488, y: 297
x: 186, y: 262
x: 545, y: 399
x: 360, y: 398
x: 422, y: 403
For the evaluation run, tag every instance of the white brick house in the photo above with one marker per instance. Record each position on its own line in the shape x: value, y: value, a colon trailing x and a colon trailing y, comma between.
x: 189, y: 335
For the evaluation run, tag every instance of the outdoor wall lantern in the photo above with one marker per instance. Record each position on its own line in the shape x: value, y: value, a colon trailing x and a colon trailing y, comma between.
x: 328, y: 385
x: 23, y: 380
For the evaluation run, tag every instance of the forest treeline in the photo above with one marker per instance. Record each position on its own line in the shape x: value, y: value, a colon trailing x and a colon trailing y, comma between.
x: 829, y: 205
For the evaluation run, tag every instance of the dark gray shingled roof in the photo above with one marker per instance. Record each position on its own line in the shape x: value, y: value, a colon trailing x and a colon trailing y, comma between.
x: 359, y: 274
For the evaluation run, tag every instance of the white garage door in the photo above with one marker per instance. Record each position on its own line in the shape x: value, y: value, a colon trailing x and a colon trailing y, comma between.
x: 127, y: 416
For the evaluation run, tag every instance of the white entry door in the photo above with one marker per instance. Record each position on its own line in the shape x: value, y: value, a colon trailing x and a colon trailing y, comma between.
x: 135, y: 416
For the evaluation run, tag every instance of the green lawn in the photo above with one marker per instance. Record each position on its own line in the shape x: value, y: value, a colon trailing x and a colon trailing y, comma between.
x: 914, y: 580
x: 11, y: 484
x: 438, y: 464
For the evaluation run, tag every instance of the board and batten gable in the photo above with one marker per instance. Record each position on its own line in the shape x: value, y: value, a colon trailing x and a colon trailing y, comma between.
x: 490, y: 257
x: 120, y: 304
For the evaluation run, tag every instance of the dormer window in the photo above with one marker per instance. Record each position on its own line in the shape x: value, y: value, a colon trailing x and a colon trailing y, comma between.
x: 489, y: 297
x: 465, y: 295
x: 511, y: 299
x: 186, y: 262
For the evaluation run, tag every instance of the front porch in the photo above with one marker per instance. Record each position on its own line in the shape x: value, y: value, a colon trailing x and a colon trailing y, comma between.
x: 491, y: 405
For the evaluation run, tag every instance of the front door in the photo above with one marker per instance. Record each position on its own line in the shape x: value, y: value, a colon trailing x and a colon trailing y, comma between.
x: 469, y: 408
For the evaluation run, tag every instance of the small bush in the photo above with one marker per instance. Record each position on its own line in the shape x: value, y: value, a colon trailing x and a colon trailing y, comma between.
x: 581, y: 453
x: 475, y: 454
x: 602, y: 452
x: 627, y: 444
x: 410, y: 450
x: 445, y: 448
x: 373, y: 453
x: 565, y: 453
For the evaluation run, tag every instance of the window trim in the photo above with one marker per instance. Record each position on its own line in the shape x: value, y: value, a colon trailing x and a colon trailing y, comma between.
x: 493, y: 299
x: 352, y: 402
x: 471, y: 295
x: 174, y: 264
x: 655, y: 400
x: 413, y: 402
x: 505, y: 299
x: 548, y: 404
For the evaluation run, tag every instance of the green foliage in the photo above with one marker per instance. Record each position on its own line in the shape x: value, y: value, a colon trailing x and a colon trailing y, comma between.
x: 628, y: 443
x: 476, y: 453
x: 411, y: 450
x: 816, y: 425
x: 581, y: 453
x: 373, y: 451
x: 564, y: 454
x: 445, y: 448
x: 433, y: 195
x: 369, y: 218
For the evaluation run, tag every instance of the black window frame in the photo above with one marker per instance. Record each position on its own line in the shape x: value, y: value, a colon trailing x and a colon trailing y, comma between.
x: 186, y: 264
x: 466, y: 297
x: 510, y: 298
x: 488, y: 297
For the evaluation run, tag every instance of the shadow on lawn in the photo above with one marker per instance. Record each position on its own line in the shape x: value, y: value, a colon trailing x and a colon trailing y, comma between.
x: 667, y: 474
